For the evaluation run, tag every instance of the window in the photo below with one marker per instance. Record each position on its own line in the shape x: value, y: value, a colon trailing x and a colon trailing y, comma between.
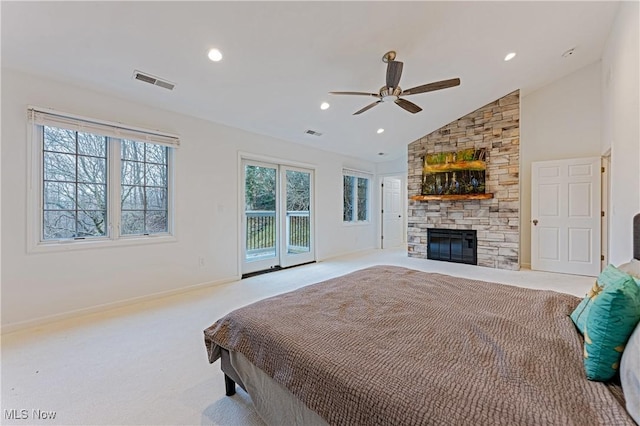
x: 98, y: 182
x: 355, y: 191
x: 145, y: 188
x: 74, y: 184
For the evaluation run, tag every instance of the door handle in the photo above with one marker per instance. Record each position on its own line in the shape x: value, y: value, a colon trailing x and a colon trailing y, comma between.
x: 535, y: 222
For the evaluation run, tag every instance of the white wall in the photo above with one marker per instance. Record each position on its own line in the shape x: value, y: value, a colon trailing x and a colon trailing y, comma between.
x: 41, y: 285
x: 561, y: 120
x: 621, y: 128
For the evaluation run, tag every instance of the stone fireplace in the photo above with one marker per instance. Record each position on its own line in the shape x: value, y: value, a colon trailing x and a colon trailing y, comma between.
x: 496, y: 221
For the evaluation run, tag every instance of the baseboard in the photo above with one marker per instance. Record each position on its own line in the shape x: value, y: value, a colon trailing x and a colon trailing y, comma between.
x: 347, y: 253
x: 40, y: 321
x: 525, y: 266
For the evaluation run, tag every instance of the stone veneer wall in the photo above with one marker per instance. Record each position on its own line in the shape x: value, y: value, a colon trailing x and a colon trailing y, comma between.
x: 495, y: 127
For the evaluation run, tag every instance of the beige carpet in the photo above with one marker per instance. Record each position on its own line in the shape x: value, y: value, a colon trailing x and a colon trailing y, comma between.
x: 146, y: 363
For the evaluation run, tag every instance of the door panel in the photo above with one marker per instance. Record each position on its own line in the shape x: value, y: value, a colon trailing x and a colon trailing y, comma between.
x: 580, y: 245
x: 260, y: 225
x: 297, y: 186
x: 565, y: 212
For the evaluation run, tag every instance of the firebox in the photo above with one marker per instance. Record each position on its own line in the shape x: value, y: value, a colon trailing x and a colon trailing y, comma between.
x: 452, y: 245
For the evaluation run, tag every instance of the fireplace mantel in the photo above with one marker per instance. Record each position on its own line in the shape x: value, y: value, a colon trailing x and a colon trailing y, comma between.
x: 452, y: 197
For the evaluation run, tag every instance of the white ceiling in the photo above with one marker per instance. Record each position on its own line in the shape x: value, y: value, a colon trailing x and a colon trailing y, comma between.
x: 281, y: 58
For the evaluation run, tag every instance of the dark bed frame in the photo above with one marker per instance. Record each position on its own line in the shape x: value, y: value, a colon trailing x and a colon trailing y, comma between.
x: 231, y: 377
x: 230, y: 374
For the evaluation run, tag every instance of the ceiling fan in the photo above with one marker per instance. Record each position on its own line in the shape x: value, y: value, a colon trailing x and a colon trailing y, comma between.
x: 391, y: 92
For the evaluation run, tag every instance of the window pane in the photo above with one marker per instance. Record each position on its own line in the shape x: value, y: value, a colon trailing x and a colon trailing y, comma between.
x: 347, y: 212
x: 145, y: 188
x: 60, y: 167
x: 260, y: 188
x: 59, y: 140
x: 92, y: 223
x: 156, y: 221
x: 92, y: 197
x: 74, y: 186
x: 92, y: 169
x: 156, y: 154
x: 132, y: 173
x: 59, y: 196
x: 156, y: 175
x: 94, y: 145
x: 298, y: 190
x: 132, y: 197
x: 156, y: 199
x: 132, y: 222
x: 363, y: 185
x: 59, y: 224
x: 130, y: 150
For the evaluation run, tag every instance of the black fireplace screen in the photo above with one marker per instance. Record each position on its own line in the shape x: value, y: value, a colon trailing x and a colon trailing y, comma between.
x: 452, y: 245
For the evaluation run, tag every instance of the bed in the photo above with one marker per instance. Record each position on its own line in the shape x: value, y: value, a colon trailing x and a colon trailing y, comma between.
x: 388, y: 345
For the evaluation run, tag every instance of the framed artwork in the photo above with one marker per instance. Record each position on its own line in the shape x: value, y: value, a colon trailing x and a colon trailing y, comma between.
x: 459, y: 172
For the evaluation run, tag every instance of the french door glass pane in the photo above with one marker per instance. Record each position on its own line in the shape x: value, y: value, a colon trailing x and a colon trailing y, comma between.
x: 260, y: 211
x: 298, y: 224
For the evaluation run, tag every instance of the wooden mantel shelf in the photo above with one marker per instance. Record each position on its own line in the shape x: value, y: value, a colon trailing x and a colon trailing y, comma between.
x: 452, y: 197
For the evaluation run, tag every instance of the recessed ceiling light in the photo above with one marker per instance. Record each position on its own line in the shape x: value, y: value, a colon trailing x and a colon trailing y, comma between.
x: 510, y: 56
x: 215, y: 55
x: 324, y: 105
x: 380, y: 130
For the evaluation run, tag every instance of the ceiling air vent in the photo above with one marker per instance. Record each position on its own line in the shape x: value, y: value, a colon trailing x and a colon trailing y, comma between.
x: 148, y: 78
x: 313, y: 133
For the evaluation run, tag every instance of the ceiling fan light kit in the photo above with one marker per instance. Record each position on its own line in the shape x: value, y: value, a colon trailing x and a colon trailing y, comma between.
x: 392, y: 91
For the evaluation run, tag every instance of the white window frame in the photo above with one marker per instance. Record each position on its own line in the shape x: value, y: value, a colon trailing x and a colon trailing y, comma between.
x: 354, y: 218
x: 40, y: 117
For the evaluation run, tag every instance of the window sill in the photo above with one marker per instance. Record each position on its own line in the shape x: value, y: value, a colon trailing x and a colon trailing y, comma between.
x: 73, y: 245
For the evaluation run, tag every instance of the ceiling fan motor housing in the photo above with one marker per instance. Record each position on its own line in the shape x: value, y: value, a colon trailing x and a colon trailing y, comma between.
x: 390, y: 95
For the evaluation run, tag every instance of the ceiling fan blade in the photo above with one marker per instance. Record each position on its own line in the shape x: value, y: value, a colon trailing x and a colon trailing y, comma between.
x: 394, y: 72
x: 355, y: 93
x: 368, y: 107
x: 438, y: 85
x: 409, y: 106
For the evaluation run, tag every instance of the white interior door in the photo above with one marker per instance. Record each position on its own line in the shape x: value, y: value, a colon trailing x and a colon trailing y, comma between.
x: 565, y: 215
x: 392, y: 212
x: 277, y: 221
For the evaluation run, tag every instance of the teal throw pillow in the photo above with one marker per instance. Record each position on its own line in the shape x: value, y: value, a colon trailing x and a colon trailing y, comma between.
x: 613, y: 314
x: 609, y: 276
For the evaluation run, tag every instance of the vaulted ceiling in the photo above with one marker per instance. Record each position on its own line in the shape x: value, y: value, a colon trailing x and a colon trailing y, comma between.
x: 282, y: 58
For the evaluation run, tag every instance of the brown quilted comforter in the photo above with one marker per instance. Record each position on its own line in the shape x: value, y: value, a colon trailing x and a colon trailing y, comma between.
x: 393, y: 346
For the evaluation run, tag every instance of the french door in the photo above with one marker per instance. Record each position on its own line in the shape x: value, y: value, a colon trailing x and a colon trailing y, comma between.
x: 277, y: 221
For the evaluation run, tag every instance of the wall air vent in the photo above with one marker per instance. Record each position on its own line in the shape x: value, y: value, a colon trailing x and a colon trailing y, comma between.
x: 313, y: 133
x: 156, y: 81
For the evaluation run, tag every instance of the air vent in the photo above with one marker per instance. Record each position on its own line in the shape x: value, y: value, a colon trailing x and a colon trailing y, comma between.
x: 313, y: 133
x: 148, y: 78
